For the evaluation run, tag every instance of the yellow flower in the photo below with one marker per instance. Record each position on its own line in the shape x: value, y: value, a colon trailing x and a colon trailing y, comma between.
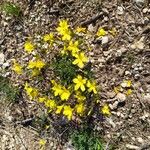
x: 73, y: 47
x: 126, y: 83
x: 59, y: 109
x: 66, y: 36
x: 36, y: 64
x: 28, y: 46
x: 101, y: 32
x: 79, y: 83
x: 42, y: 99
x: 63, y: 26
x: 92, y: 87
x: 129, y: 92
x: 65, y: 94
x: 31, y: 64
x: 80, y: 30
x: 79, y: 97
x: 80, y: 108
x: 42, y: 142
x: 68, y: 112
x: 48, y: 37
x: 60, y: 90
x: 63, y: 29
x: 39, y: 64
x: 17, y: 68
x: 31, y: 92
x: 57, y: 88
x: 64, y: 50
x: 50, y: 104
x: 35, y: 72
x: 80, y: 60
x: 106, y: 110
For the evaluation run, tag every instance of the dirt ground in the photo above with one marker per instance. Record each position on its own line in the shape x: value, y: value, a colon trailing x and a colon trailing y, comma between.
x: 124, y: 57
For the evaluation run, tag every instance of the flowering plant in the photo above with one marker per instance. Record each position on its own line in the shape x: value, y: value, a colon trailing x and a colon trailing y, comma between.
x: 62, y: 82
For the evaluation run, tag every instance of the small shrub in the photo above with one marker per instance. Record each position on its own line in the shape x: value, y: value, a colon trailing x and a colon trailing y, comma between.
x: 86, y: 140
x: 67, y: 87
x: 64, y: 68
x: 10, y: 91
x: 10, y: 9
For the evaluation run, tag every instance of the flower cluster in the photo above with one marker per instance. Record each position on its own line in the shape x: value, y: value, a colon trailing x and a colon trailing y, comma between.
x: 68, y: 93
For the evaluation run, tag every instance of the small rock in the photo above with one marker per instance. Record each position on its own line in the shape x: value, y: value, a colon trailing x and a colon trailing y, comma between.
x: 114, y: 105
x: 120, y: 10
x: 145, y: 10
x: 127, y: 73
x: 18, y: 28
x: 104, y: 39
x: 106, y: 53
x: 121, y: 97
x: 51, y: 144
x: 6, y: 64
x: 140, y: 140
x: 118, y: 114
x: 101, y: 60
x: 132, y: 147
x: 137, y: 76
x: 139, y: 2
x: 91, y: 28
x: 2, y: 58
x: 91, y: 53
x: 111, y: 94
x: 139, y: 44
x: 121, y: 51
x: 6, y: 74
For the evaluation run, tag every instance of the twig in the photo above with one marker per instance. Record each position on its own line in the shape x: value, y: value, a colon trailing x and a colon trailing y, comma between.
x: 107, y: 145
x: 24, y: 122
x: 91, y: 20
x: 139, y: 98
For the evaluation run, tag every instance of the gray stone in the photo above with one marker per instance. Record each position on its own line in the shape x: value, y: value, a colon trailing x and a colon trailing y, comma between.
x: 121, y: 97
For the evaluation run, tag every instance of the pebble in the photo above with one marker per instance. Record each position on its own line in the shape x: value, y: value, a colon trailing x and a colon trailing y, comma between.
x: 106, y: 53
x: 139, y: 2
x: 139, y: 45
x: 6, y: 64
x: 132, y: 147
x: 111, y: 94
x: 91, y: 53
x: 140, y: 140
x: 120, y: 10
x: 127, y: 73
x: 121, y: 51
x: 145, y: 10
x: 101, y: 60
x: 105, y: 39
x: 121, y: 97
x: 118, y: 114
x: 137, y: 76
x: 91, y: 28
x: 51, y: 144
x: 115, y: 105
x: 6, y: 74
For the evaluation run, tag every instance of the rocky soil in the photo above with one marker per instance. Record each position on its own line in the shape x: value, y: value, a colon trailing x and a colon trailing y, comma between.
x: 124, y: 57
